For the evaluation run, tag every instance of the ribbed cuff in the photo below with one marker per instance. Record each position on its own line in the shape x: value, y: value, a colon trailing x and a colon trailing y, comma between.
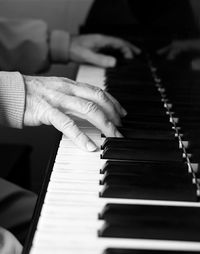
x: 59, y: 46
x: 12, y: 99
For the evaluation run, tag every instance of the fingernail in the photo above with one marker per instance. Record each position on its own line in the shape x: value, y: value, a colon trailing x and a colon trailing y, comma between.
x: 124, y: 112
x: 129, y: 57
x: 111, y: 61
x: 91, y: 147
x: 118, y: 134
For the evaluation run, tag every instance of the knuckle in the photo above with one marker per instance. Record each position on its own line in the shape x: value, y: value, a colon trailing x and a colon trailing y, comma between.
x: 68, y: 125
x: 90, y: 107
x: 83, y: 85
x: 100, y: 94
x: 77, y: 83
x: 79, y: 136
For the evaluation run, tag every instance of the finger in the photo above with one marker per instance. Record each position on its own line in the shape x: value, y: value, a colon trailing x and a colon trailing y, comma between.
x: 173, y: 53
x: 68, y: 127
x: 84, y: 90
x: 87, y: 110
x: 164, y: 50
x: 117, y: 105
x: 127, y: 48
x: 127, y: 52
x: 18, y: 248
x: 112, y: 108
x: 80, y: 91
x: 97, y: 59
x: 195, y: 64
x: 92, y: 113
x: 135, y: 49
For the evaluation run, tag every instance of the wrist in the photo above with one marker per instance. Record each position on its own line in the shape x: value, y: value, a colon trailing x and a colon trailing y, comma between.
x: 59, y: 46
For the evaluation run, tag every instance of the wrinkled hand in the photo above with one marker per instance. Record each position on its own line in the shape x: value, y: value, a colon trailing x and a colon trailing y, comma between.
x: 83, y: 48
x: 8, y: 243
x: 51, y: 101
x: 178, y: 47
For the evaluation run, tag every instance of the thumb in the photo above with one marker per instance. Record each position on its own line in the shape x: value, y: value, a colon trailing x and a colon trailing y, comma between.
x: 98, y: 59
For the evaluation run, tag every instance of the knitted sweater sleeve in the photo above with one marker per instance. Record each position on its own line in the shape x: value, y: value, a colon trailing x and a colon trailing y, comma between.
x: 12, y: 99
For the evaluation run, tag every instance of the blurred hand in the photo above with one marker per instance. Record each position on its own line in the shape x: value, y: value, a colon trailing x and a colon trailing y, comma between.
x: 195, y: 64
x: 8, y: 243
x: 83, y: 48
x: 177, y: 47
x: 51, y: 101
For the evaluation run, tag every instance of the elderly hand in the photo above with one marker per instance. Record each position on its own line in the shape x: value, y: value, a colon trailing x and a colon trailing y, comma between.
x: 51, y: 101
x: 178, y: 47
x: 8, y: 243
x: 84, y: 48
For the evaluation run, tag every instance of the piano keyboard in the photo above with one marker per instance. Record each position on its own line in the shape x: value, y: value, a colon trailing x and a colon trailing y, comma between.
x: 85, y: 208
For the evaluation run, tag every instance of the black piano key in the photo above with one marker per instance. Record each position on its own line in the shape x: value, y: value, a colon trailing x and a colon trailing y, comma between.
x: 191, y: 113
x: 157, y: 191
x: 116, y: 82
x: 139, y: 90
x: 151, y: 222
x: 153, y: 105
x: 144, y: 251
x: 147, y: 134
x: 145, y: 110
x: 125, y: 97
x: 123, y: 94
x: 148, y: 120
x: 189, y: 118
x: 187, y: 126
x: 195, y: 155
x: 140, y: 143
x: 139, y: 86
x: 113, y: 212
x: 133, y: 123
x: 192, y: 136
x: 159, y: 154
x: 149, y: 167
x: 111, y: 178
x: 143, y: 75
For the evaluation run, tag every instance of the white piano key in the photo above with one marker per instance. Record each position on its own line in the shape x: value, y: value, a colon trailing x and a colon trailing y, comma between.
x: 85, y: 213
x: 69, y: 171
x: 78, y: 165
x: 91, y: 197
x: 73, y: 152
x: 92, y: 242
x: 91, y: 75
x: 65, y: 158
x: 71, y: 177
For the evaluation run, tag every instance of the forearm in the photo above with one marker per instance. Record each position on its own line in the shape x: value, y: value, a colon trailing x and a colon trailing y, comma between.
x: 12, y: 99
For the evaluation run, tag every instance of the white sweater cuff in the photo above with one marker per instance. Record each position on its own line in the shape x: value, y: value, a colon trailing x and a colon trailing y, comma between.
x: 12, y: 99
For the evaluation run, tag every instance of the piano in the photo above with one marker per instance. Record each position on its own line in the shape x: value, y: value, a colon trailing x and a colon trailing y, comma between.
x: 137, y: 194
